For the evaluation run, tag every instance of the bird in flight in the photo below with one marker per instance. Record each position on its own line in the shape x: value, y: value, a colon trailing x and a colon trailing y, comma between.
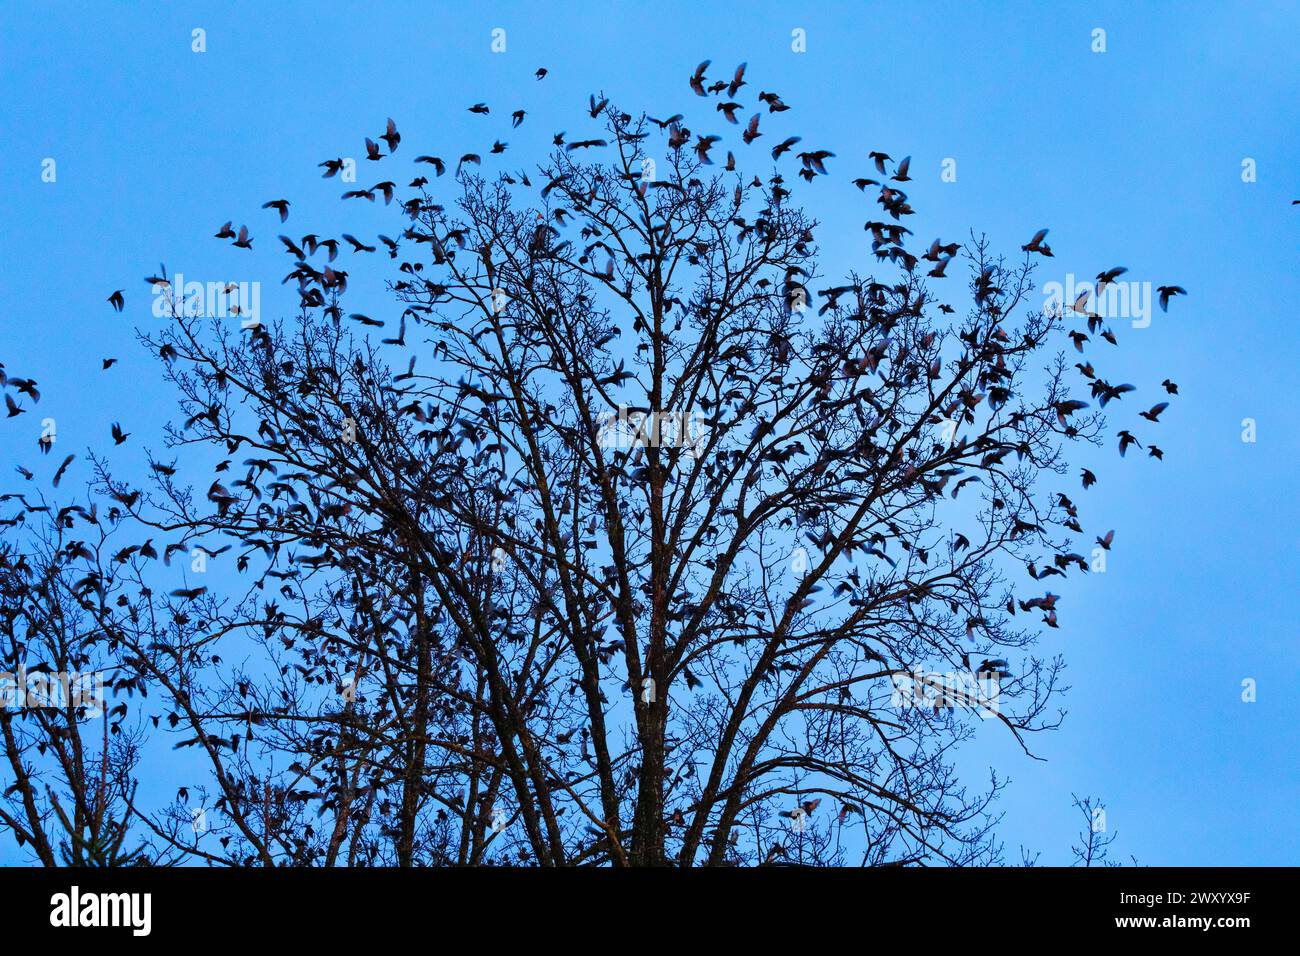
x: 279, y: 205
x: 1167, y: 292
x: 1036, y: 244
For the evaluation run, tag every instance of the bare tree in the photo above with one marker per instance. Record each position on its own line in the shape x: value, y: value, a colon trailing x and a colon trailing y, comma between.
x: 641, y: 543
x: 73, y: 785
x: 1093, y: 846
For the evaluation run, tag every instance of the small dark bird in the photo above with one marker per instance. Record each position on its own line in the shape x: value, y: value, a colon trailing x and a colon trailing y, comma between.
x: 439, y: 166
x: 1155, y: 452
x: 1153, y: 414
x: 1126, y: 439
x: 480, y: 109
x: 117, y: 300
x: 108, y: 363
x: 245, y: 241
x: 1089, y: 479
x: 516, y: 118
x: 541, y: 73
x: 1170, y: 387
x: 279, y: 205
x: 784, y: 147
x: 391, y: 136
x: 119, y: 436
x: 1167, y: 292
x: 1110, y: 275
x: 697, y: 78
x: 1036, y: 244
x: 1107, y: 539
x: 58, y: 475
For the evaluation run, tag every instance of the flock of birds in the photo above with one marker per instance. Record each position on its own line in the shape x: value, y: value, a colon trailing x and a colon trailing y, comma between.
x: 888, y: 237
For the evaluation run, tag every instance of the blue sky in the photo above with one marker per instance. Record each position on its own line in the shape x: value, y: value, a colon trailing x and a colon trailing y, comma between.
x: 1133, y: 156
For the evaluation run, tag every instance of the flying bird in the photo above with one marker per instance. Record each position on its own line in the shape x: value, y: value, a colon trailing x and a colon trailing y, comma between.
x: 280, y: 205
x: 784, y: 147
x: 391, y: 136
x: 1167, y: 292
x: 1110, y: 275
x: 58, y: 475
x: 1036, y: 244
x: 697, y: 78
